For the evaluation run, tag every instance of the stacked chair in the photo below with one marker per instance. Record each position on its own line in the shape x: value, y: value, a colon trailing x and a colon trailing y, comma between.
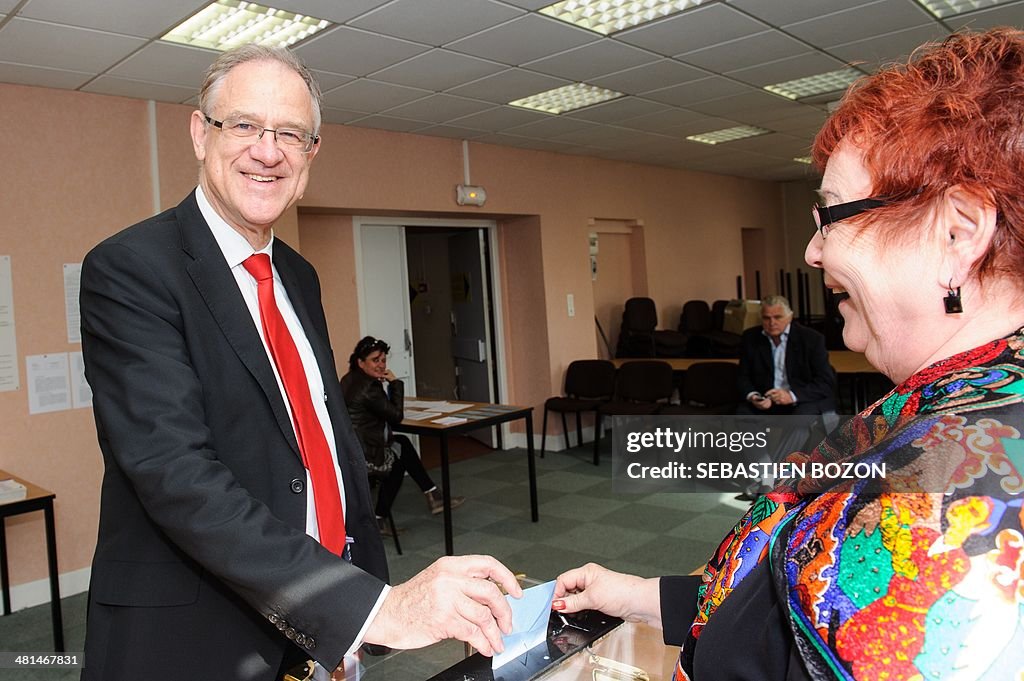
x: 589, y: 383
x: 709, y: 388
x: 641, y: 388
x: 639, y: 335
x: 703, y: 328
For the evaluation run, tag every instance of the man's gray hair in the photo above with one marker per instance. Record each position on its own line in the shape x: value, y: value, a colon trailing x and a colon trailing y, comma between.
x: 251, y: 52
x: 774, y: 301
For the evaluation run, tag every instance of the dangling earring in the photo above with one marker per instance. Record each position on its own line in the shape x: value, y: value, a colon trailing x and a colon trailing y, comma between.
x: 952, y: 301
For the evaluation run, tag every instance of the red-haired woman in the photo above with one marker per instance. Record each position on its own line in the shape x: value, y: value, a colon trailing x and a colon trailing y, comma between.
x: 919, y: 575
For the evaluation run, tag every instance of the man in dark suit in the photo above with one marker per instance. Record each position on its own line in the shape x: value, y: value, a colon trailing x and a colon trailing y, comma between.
x: 784, y: 366
x: 216, y: 558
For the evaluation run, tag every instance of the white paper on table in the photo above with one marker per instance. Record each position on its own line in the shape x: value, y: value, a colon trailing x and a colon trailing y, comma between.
x: 420, y: 415
x: 449, y: 421
x: 423, y: 404
x: 448, y: 407
x: 529, y: 622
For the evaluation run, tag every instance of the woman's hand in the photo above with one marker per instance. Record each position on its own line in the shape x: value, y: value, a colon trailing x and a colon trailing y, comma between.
x: 388, y: 376
x: 593, y: 587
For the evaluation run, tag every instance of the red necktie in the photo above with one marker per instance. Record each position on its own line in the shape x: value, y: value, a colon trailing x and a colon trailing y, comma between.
x: 316, y: 454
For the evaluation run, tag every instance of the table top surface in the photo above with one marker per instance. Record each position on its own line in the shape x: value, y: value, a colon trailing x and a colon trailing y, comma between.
x: 844, y: 361
x: 33, y: 491
x: 457, y: 414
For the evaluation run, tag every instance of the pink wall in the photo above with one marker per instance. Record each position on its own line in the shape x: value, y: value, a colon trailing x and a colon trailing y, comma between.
x: 88, y: 174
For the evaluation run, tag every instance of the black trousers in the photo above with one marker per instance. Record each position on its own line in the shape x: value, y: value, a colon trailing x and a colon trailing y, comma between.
x: 409, y: 461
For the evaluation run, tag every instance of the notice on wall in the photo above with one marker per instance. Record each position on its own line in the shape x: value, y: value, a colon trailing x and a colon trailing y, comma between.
x: 9, y: 379
x: 72, y: 282
x: 48, y: 386
x: 81, y: 393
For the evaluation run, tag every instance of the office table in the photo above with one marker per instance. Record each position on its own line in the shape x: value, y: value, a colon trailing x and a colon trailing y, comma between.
x: 477, y: 415
x: 36, y: 499
x: 846, y: 363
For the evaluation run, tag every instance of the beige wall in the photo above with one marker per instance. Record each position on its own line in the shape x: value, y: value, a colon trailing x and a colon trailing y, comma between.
x: 87, y: 173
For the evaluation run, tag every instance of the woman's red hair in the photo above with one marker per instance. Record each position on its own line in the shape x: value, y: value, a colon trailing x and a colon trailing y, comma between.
x: 953, y: 115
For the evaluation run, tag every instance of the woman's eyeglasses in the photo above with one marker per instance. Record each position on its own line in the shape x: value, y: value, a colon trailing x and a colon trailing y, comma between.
x: 371, y: 344
x: 826, y: 215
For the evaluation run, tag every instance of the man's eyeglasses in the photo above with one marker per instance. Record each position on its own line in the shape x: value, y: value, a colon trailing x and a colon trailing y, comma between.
x: 826, y: 215
x: 287, y: 138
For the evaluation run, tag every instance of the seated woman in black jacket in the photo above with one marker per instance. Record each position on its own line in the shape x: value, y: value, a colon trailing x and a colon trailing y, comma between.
x: 375, y: 410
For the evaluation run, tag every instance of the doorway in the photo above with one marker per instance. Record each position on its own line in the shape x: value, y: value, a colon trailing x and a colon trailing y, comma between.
x: 617, y: 274
x: 427, y: 288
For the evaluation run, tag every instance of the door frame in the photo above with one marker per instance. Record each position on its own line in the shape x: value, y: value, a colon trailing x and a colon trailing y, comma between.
x: 359, y: 222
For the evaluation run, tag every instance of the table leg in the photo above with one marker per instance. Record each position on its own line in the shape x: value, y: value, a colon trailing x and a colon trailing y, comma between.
x: 446, y: 491
x: 5, y: 579
x: 532, y: 464
x: 51, y: 555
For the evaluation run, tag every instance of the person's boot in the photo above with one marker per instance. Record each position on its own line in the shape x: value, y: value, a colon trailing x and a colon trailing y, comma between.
x: 435, y: 501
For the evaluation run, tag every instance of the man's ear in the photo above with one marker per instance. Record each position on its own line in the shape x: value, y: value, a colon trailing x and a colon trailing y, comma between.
x: 969, y: 224
x: 198, y: 129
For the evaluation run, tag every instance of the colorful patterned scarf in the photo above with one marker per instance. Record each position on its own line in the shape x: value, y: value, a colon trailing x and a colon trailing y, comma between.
x: 901, y: 581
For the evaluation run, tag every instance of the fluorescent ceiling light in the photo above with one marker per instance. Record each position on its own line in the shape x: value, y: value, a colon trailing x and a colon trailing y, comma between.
x: 566, y: 98
x: 815, y: 85
x: 948, y: 8
x: 609, y: 16
x: 804, y: 159
x: 229, y: 23
x: 728, y: 134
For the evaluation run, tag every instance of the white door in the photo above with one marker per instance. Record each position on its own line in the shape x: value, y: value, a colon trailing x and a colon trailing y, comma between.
x: 384, y: 311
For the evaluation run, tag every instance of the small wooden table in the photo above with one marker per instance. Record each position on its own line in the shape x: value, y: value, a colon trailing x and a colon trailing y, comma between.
x: 37, y: 499
x: 477, y: 415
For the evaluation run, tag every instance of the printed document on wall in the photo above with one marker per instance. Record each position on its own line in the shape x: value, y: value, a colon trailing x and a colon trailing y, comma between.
x: 48, y: 386
x: 8, y: 347
x: 72, y: 282
x: 81, y: 393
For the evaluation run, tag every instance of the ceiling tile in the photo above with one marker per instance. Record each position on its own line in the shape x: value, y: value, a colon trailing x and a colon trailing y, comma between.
x: 1009, y: 15
x: 654, y: 76
x: 451, y: 131
x: 551, y: 126
x: 39, y: 43
x: 697, y: 91
x: 861, y: 22
x: 525, y: 39
x: 439, y: 108
x: 792, y: 11
x: 807, y: 118
x: 618, y: 110
x: 329, y: 81
x: 436, y: 22
x: 167, y: 63
x: 332, y: 10
x: 501, y: 118
x: 743, y: 52
x: 123, y: 87
x: 774, y: 144
x: 341, y: 116
x: 692, y: 30
x: 611, y: 137
x: 871, y: 53
x: 7, y: 5
x: 371, y: 96
x: 388, y: 123
x: 592, y: 60
x: 749, y: 105
x: 130, y: 17
x: 807, y: 64
x: 522, y: 142
x: 438, y: 70
x: 42, y: 77
x: 665, y: 121
x: 508, y: 86
x: 355, y: 52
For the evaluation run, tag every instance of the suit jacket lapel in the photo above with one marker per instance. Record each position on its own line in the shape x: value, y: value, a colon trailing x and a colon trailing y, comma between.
x: 216, y: 284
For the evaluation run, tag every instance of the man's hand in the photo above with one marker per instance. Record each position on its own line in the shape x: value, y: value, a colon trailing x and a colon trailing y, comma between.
x: 779, y: 396
x: 455, y: 597
x: 760, y: 401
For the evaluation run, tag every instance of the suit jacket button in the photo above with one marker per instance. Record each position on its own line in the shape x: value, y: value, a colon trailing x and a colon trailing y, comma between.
x: 289, y: 633
x: 273, y: 617
x: 310, y: 643
x: 301, y: 640
x: 297, y: 485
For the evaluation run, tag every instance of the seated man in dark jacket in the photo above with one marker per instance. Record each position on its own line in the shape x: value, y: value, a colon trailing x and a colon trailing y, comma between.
x: 374, y: 411
x: 784, y: 366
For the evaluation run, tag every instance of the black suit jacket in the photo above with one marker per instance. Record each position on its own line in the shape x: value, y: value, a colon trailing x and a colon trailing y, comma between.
x: 810, y: 375
x: 202, y: 566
